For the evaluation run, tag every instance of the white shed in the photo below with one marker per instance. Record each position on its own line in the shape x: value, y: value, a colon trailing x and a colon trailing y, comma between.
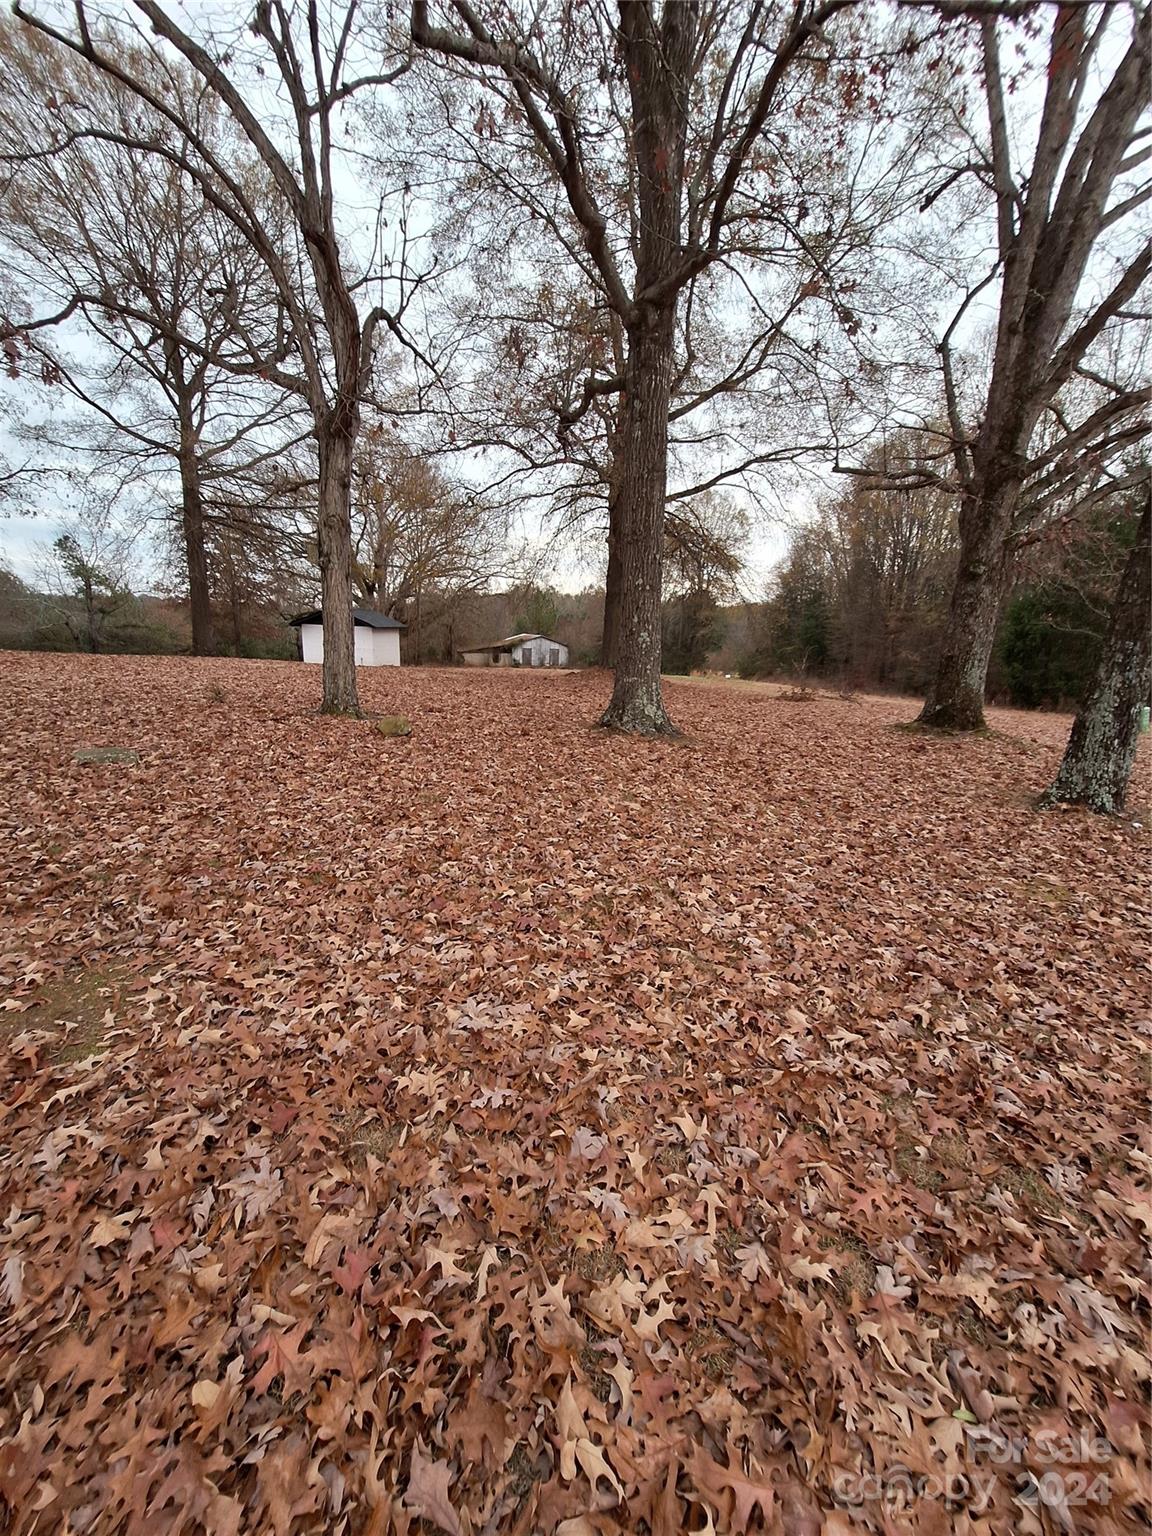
x: 518, y: 651
x: 376, y: 637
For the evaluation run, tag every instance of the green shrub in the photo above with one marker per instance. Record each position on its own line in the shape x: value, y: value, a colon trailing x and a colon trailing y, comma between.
x: 1049, y: 644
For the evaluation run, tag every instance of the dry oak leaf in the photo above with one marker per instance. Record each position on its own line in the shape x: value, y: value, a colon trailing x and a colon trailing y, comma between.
x: 209, y: 1278
x: 286, y: 1489
x: 718, y: 1484
x: 331, y: 1228
x: 978, y: 1289
x: 648, y: 1324
x: 351, y: 1274
x: 12, y: 1283
x: 111, y: 1229
x: 576, y: 1447
x: 753, y: 1260
x: 555, y: 1328
x: 481, y: 1421
x: 282, y: 1358
x: 427, y: 1492
x: 595, y: 1465
x: 689, y: 1128
x: 570, y: 1423
x: 445, y: 1260
x: 213, y: 1399
x: 611, y: 1305
x: 805, y: 1269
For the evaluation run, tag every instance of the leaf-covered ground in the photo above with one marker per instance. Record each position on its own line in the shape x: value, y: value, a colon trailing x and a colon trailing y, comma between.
x: 517, y: 1128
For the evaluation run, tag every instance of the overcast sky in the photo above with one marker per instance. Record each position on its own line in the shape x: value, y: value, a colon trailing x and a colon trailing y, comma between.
x: 41, y: 507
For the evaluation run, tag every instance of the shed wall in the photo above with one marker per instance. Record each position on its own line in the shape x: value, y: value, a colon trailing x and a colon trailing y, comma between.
x: 362, y: 642
x: 373, y: 647
x: 541, y: 652
x: 387, y: 647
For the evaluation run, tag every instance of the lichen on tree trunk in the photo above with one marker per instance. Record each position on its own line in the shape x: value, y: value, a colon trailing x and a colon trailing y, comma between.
x: 1101, y: 751
x: 637, y: 704
x: 334, y: 550
x: 955, y: 700
x: 611, y: 626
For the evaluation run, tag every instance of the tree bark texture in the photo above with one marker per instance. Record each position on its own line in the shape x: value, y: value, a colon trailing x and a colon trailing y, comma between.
x: 337, y: 426
x: 611, y: 585
x: 334, y: 548
x: 1101, y: 751
x: 656, y: 61
x: 956, y: 699
x: 192, y: 530
x: 636, y: 703
x: 90, y: 614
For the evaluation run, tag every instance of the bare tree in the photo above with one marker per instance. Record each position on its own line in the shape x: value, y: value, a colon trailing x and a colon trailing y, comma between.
x: 84, y: 576
x: 764, y: 365
x: 1101, y: 751
x: 306, y: 58
x: 653, y: 124
x: 703, y: 563
x: 1048, y: 423
x: 146, y: 265
x: 421, y: 542
x: 865, y: 584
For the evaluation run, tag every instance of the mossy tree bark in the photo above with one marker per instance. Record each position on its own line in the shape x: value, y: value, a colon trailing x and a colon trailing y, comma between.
x: 956, y: 699
x: 1101, y: 751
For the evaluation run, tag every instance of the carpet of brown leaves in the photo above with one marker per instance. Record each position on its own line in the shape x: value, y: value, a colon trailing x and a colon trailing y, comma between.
x: 518, y: 1128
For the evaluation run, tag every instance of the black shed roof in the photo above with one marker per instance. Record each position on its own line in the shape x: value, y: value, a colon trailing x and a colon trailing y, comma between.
x: 366, y: 616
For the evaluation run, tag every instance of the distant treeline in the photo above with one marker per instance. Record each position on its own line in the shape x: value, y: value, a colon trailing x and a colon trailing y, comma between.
x: 859, y: 601
x: 92, y: 612
x: 117, y: 621
x: 862, y: 596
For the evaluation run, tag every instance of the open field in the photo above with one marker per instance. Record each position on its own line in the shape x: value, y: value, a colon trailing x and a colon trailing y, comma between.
x: 520, y: 1128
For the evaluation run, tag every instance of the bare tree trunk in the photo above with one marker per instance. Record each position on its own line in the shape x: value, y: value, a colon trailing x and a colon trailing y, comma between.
x: 1101, y: 750
x: 334, y: 546
x: 612, y: 595
x: 955, y: 701
x: 192, y: 526
x: 611, y: 627
x: 91, y: 620
x: 636, y: 703
x: 657, y: 64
